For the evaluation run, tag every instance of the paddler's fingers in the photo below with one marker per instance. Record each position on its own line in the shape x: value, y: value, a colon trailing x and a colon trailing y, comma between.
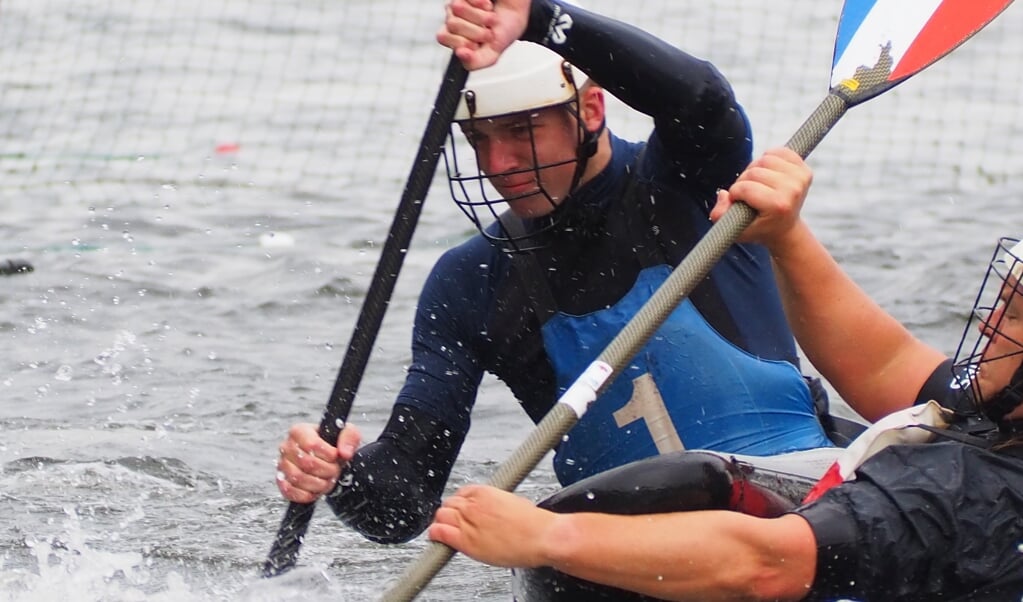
x: 304, y: 440
x: 298, y: 486
x: 348, y: 443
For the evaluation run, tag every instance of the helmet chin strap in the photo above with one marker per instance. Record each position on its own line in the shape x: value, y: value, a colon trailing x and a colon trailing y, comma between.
x: 587, y: 148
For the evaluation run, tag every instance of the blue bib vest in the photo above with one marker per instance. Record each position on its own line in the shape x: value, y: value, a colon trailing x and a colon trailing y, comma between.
x: 687, y: 388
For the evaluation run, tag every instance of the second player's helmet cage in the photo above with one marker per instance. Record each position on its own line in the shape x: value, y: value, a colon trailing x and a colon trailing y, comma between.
x: 1000, y: 287
x: 527, y: 77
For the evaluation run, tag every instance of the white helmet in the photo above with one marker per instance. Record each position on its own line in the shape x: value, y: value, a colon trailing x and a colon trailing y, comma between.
x: 526, y: 76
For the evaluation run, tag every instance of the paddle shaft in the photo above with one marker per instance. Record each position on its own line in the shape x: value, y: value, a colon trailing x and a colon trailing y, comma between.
x: 284, y: 552
x: 626, y: 344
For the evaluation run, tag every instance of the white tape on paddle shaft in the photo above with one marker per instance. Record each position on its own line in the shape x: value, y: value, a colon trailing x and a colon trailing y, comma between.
x: 584, y: 390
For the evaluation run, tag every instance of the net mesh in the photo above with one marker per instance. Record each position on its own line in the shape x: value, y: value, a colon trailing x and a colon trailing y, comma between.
x: 326, y: 99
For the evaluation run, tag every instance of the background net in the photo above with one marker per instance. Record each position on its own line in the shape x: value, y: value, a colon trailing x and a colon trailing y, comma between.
x: 294, y: 102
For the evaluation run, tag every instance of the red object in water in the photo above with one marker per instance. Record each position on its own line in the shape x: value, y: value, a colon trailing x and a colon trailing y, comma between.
x: 226, y: 148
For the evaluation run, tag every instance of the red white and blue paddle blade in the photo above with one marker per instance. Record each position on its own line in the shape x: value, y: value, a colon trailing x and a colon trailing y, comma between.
x: 880, y: 43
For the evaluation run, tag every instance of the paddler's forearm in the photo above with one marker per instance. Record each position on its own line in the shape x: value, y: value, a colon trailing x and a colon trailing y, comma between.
x: 708, y: 555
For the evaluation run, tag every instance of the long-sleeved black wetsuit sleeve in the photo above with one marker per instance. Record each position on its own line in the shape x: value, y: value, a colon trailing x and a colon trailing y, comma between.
x: 392, y: 487
x: 694, y: 109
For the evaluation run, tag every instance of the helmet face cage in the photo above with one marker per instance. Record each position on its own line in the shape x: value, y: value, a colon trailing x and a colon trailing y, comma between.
x: 1000, y: 287
x: 471, y: 189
